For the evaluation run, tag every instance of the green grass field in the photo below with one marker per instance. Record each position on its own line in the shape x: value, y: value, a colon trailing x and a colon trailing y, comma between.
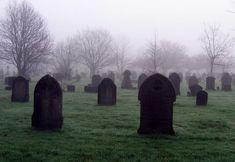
x: 109, y: 134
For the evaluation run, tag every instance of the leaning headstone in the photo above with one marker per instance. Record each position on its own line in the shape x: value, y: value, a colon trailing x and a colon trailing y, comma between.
x: 107, y: 92
x: 202, y: 97
x: 210, y: 83
x: 48, y: 104
x: 20, y: 90
x: 194, y: 89
x: 93, y: 87
x: 192, y: 80
x: 126, y: 82
x: 9, y: 82
x: 156, y: 96
x: 175, y: 80
x: 226, y: 82
x: 141, y: 79
x: 71, y: 88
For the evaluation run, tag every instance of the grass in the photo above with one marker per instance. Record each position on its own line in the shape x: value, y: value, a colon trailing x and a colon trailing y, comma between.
x: 108, y: 134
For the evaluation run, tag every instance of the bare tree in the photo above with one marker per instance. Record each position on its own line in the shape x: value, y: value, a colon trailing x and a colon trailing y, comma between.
x: 24, y: 40
x: 153, y: 55
x: 64, y: 59
x: 121, y: 51
x: 215, y: 45
x: 95, y: 49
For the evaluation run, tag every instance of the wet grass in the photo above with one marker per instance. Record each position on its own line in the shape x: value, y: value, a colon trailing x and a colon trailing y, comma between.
x: 108, y: 134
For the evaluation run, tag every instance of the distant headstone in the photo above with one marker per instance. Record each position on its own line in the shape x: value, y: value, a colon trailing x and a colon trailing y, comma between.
x: 71, y: 88
x: 226, y: 82
x: 141, y: 79
x: 156, y: 96
x: 192, y: 80
x: 9, y: 82
x: 133, y: 75
x: 210, y: 83
x: 78, y: 78
x: 126, y: 82
x: 107, y: 92
x: 194, y: 89
x: 111, y: 76
x: 20, y: 90
x: 202, y: 97
x: 48, y: 104
x: 93, y: 87
x: 175, y: 80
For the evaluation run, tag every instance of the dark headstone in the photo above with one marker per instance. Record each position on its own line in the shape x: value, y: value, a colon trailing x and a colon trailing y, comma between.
x: 226, y: 82
x: 175, y: 80
x: 71, y: 88
x: 107, y: 92
x: 9, y: 82
x: 48, y: 104
x: 20, y: 90
x: 141, y: 79
x: 202, y: 97
x: 93, y: 87
x: 156, y: 96
x: 192, y: 80
x: 210, y: 83
x: 194, y: 89
x: 126, y: 82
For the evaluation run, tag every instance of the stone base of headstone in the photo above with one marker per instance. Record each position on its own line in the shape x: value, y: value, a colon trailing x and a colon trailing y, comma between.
x: 226, y: 88
x: 71, y: 88
x: 91, y: 89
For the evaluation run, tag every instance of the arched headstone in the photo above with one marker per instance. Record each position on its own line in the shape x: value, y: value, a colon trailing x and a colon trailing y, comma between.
x: 202, y: 97
x: 48, y: 104
x: 93, y: 87
x: 210, y: 83
x: 156, y: 96
x: 194, y: 89
x: 107, y: 92
x: 20, y: 90
x: 192, y: 80
x: 141, y: 79
x: 126, y: 82
x: 175, y: 80
x: 226, y: 82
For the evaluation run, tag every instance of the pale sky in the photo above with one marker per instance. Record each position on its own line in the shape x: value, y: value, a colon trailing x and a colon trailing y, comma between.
x: 175, y: 20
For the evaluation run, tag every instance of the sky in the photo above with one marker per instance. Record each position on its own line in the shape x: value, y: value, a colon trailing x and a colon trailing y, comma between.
x: 180, y: 21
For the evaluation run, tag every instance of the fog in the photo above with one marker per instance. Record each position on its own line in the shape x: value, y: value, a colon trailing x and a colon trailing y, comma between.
x: 179, y: 21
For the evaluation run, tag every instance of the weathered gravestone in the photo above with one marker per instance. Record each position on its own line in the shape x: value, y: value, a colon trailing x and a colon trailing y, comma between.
x: 9, y: 82
x: 107, y: 92
x: 194, y: 89
x: 20, y: 90
x: 141, y: 79
x: 202, y: 97
x: 93, y: 87
x: 71, y: 88
x: 210, y: 83
x: 156, y: 96
x: 48, y: 104
x: 175, y: 80
x: 226, y: 82
x: 111, y: 76
x: 126, y: 82
x: 192, y: 80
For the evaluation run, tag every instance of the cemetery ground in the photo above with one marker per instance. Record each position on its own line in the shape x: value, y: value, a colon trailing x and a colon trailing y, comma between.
x: 106, y: 134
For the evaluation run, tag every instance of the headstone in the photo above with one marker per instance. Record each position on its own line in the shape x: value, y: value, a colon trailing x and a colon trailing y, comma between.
x: 210, y: 83
x: 175, y: 80
x: 107, y: 92
x: 141, y: 79
x: 192, y: 80
x: 48, y: 104
x: 78, y: 78
x: 9, y: 82
x: 93, y: 87
x: 126, y: 82
x: 156, y: 96
x: 111, y: 76
x: 20, y: 90
x: 194, y: 89
x: 226, y: 82
x: 202, y: 97
x: 71, y: 88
